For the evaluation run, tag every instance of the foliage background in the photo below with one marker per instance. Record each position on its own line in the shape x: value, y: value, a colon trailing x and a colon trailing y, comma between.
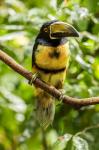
x: 20, y: 21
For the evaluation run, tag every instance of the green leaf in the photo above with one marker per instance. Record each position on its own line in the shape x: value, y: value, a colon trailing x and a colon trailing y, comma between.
x: 79, y: 143
x: 69, y: 145
x: 61, y: 142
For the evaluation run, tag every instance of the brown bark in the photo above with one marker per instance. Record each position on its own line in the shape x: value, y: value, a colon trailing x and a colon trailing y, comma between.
x: 48, y: 88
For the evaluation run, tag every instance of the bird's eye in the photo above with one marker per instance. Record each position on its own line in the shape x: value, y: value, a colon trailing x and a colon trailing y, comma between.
x: 45, y: 29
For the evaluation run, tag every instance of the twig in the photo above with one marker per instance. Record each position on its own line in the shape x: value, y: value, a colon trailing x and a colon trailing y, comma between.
x: 48, y: 88
x: 86, y: 129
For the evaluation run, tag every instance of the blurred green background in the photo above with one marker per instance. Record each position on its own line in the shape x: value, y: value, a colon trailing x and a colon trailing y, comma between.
x: 20, y: 21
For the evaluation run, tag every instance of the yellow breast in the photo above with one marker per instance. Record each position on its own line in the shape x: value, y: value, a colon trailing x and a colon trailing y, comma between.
x: 48, y: 57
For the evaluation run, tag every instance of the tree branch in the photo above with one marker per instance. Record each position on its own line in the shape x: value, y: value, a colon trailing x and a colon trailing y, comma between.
x: 48, y: 88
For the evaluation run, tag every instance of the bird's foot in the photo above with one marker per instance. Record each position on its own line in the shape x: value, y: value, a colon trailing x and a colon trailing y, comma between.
x: 62, y: 91
x: 34, y: 76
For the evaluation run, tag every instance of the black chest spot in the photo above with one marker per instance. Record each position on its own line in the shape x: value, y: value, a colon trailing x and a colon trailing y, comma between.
x: 54, y: 54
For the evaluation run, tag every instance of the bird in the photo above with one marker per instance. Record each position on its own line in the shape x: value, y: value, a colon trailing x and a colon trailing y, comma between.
x: 50, y: 59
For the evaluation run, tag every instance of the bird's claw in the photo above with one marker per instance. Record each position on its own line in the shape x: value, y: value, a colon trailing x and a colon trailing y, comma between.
x: 62, y: 91
x: 34, y: 76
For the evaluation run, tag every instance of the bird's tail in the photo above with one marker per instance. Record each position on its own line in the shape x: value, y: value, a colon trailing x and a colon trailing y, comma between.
x: 45, y: 108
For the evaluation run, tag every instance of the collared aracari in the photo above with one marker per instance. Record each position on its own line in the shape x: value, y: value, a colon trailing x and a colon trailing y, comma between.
x: 50, y: 60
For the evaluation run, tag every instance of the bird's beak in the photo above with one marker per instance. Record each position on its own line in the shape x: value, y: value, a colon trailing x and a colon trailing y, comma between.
x: 60, y: 29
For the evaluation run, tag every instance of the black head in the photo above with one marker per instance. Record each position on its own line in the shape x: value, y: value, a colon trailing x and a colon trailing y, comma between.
x: 56, y: 30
